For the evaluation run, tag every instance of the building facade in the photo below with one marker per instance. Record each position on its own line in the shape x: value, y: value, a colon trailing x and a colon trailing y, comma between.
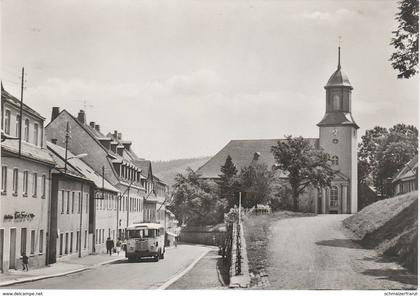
x: 406, y: 180
x: 25, y: 195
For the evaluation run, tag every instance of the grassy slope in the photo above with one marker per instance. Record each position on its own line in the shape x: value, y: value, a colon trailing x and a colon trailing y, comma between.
x: 167, y: 170
x: 390, y: 226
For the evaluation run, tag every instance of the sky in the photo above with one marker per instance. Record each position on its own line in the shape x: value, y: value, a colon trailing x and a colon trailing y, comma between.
x: 182, y: 78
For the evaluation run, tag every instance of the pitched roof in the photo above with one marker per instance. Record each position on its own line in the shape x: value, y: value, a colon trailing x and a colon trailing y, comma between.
x: 145, y: 166
x: 408, y: 171
x: 242, y: 153
x: 14, y: 101
x: 28, y: 151
x: 81, y: 167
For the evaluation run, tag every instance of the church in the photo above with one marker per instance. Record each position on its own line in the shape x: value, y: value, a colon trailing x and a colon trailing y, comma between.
x: 337, y: 136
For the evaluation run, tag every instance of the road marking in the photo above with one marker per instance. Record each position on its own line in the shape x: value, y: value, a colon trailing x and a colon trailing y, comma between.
x: 182, y: 273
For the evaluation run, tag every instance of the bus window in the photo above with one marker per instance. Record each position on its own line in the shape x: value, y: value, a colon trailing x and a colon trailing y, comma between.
x: 150, y: 233
x: 134, y: 234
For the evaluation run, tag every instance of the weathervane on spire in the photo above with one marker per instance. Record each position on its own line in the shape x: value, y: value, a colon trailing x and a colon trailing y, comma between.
x: 339, y: 51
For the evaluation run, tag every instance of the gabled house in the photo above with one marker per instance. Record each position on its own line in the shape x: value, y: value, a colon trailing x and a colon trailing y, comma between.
x: 25, y: 181
x: 107, y: 156
x: 406, y: 180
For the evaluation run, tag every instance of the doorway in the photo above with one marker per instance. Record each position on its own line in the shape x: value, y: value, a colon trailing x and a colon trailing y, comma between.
x: 1, y: 249
x: 12, y: 253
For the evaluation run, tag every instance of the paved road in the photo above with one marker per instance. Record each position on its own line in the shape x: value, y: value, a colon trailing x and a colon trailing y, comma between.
x: 317, y: 253
x: 124, y: 275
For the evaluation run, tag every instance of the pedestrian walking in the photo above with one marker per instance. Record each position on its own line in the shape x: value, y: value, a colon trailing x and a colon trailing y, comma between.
x: 25, y: 261
x: 118, y: 245
x: 109, y: 246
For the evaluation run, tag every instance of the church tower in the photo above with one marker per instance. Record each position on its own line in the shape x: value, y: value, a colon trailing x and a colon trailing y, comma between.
x: 338, y: 137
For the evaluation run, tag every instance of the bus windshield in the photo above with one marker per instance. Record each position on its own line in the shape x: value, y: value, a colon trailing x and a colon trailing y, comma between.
x: 142, y: 233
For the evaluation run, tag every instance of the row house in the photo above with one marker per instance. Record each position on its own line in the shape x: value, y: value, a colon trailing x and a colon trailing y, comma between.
x: 111, y: 157
x: 25, y: 182
x: 69, y: 210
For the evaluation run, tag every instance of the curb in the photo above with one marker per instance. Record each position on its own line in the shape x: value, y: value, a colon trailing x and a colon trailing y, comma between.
x: 42, y: 277
x: 182, y: 273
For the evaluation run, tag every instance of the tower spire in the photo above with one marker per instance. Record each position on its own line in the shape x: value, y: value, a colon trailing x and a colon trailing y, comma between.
x: 339, y: 52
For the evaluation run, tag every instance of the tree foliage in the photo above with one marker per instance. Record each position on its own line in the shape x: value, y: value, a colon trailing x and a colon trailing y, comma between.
x: 406, y: 39
x: 195, y: 200
x: 383, y: 152
x: 305, y: 164
x: 228, y: 183
x: 256, y: 182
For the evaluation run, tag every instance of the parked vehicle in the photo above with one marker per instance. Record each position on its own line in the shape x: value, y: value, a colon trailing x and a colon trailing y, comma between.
x: 145, y: 240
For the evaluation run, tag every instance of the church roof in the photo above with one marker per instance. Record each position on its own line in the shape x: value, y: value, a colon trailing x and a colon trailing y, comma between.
x: 337, y: 118
x: 338, y: 78
x: 242, y: 153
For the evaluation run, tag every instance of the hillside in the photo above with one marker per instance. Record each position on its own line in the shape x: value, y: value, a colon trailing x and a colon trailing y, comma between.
x: 390, y: 226
x: 167, y: 170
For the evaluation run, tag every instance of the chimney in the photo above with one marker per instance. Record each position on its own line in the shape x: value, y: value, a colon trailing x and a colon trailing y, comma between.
x: 115, y: 134
x: 98, y: 127
x: 119, y: 136
x: 81, y: 117
x: 92, y: 124
x: 54, y: 113
x: 54, y: 141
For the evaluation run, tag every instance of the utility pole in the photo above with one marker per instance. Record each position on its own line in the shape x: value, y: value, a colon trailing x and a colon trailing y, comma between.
x: 240, y: 206
x: 128, y: 204
x: 81, y: 222
x: 21, y: 112
x: 67, y: 142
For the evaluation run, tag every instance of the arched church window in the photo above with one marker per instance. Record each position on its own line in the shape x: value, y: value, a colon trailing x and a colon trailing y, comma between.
x: 334, y: 196
x: 336, y: 102
x: 334, y: 160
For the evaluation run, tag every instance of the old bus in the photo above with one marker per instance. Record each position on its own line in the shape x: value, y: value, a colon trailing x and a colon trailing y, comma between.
x: 145, y: 240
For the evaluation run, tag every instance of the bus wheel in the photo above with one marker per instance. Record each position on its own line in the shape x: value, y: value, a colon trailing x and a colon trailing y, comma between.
x: 130, y: 258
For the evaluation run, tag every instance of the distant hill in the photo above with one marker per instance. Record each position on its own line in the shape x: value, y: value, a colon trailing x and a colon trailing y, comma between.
x: 167, y: 170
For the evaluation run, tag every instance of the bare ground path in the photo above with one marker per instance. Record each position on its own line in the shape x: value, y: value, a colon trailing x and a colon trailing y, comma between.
x: 319, y: 253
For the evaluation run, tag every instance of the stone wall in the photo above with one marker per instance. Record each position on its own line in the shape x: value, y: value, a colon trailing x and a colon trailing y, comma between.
x: 206, y: 235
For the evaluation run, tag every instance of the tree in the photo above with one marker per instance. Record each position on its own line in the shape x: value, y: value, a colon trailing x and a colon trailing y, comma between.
x: 367, y: 160
x: 195, y: 202
x: 228, y: 182
x: 406, y: 39
x: 383, y: 152
x: 399, y: 147
x: 256, y: 184
x: 305, y: 164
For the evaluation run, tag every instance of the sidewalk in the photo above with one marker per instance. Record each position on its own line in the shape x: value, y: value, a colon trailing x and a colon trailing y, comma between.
x: 58, y: 269
x: 208, y: 273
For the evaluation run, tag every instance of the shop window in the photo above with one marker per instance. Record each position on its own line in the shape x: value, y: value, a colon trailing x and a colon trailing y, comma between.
x: 41, y: 241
